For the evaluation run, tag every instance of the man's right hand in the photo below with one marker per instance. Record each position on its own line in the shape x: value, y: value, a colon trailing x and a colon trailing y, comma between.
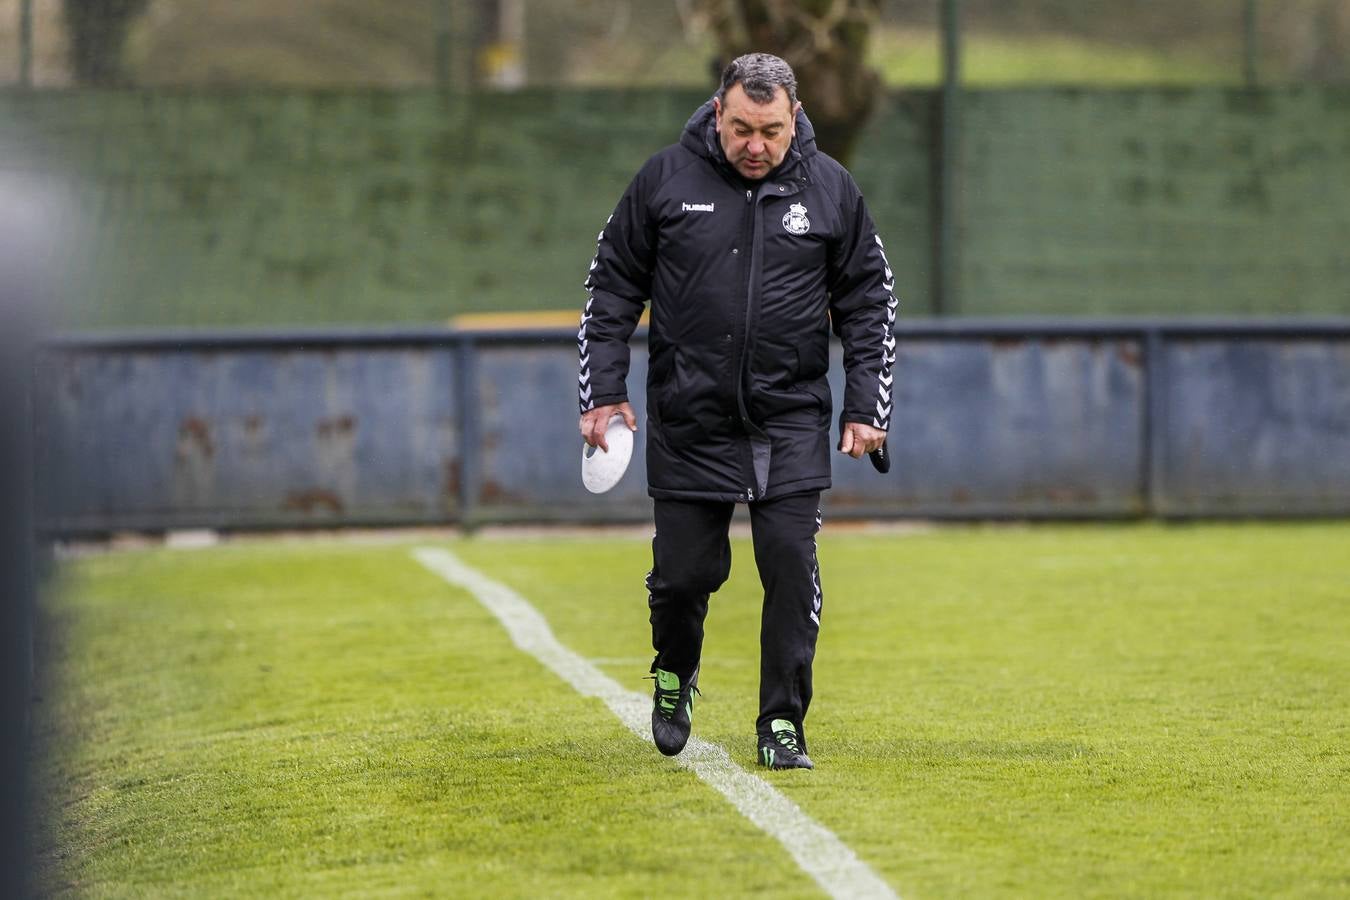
x: 594, y: 423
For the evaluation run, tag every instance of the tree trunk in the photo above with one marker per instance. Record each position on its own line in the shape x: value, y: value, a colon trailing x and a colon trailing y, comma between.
x: 1326, y: 60
x: 98, y: 33
x: 825, y: 42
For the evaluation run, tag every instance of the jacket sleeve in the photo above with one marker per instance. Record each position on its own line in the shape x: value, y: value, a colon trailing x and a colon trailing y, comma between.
x: 862, y: 310
x: 618, y: 286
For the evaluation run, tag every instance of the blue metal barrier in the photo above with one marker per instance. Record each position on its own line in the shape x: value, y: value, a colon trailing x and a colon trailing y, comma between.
x: 1006, y: 418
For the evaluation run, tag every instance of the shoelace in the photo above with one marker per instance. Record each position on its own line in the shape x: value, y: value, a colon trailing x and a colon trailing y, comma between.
x: 667, y: 701
x: 788, y: 740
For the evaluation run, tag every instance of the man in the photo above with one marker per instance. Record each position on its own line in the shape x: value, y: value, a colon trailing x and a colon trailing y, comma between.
x: 750, y: 244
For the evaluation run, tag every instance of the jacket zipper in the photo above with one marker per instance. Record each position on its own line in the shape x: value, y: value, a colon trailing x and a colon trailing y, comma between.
x: 748, y: 264
x: 755, y: 240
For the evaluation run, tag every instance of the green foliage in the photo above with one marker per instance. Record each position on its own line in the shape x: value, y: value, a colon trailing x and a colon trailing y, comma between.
x: 907, y: 57
x: 1066, y: 711
x: 911, y: 58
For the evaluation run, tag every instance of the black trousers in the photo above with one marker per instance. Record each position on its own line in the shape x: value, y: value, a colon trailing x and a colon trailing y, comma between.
x: 691, y: 558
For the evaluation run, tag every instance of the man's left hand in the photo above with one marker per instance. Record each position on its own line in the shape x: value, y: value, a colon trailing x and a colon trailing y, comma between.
x: 859, y: 439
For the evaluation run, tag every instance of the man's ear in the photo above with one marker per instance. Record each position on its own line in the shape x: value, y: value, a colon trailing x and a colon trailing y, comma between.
x: 792, y: 120
x: 717, y: 113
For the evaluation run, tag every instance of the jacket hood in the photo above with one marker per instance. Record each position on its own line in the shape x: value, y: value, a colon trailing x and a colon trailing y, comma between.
x: 700, y: 136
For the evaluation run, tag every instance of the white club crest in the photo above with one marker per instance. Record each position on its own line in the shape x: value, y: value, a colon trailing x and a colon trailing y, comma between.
x: 796, y: 221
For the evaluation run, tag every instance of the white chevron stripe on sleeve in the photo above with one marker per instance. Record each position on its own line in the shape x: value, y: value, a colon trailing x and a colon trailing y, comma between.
x: 583, y: 340
x: 885, y: 377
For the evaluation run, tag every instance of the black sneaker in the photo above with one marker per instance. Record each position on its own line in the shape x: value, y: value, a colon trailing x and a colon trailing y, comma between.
x: 781, y: 750
x: 672, y: 710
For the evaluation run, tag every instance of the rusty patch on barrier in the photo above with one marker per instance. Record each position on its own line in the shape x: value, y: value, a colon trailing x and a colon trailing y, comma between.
x: 450, y: 478
x: 193, y: 430
x: 1059, y: 495
x: 1131, y: 355
x: 493, y: 492
x: 317, y: 500
x: 339, y: 426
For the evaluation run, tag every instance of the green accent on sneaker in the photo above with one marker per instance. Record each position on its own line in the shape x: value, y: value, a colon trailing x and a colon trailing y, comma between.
x: 767, y: 753
x: 785, y: 733
x: 669, y: 685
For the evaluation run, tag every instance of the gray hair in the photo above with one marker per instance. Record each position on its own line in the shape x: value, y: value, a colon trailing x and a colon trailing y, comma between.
x: 759, y: 75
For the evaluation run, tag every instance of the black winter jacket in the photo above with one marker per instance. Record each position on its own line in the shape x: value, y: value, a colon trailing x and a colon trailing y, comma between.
x: 745, y: 279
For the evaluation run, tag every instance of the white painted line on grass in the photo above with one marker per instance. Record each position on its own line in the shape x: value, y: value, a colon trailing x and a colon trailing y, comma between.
x: 816, y: 849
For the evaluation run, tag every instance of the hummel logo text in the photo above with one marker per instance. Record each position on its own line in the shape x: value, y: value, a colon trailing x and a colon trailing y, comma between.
x: 696, y: 207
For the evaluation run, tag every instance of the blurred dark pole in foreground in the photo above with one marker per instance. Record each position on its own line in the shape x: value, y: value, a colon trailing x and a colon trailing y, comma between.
x: 20, y: 278
x: 16, y: 615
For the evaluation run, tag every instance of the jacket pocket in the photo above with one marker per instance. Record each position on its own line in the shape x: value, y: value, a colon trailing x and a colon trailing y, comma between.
x: 819, y: 389
x: 813, y: 360
x: 673, y: 390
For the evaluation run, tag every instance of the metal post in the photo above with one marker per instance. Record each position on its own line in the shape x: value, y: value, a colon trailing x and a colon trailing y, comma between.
x: 1155, y: 423
x: 1250, y: 45
x: 444, y: 35
x: 470, y: 439
x: 510, y: 43
x: 945, y: 298
x: 25, y: 43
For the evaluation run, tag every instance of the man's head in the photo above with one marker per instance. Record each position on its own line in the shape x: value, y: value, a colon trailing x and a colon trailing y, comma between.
x: 756, y: 109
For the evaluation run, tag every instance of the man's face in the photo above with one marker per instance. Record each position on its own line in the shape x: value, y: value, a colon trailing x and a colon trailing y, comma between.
x: 755, y: 136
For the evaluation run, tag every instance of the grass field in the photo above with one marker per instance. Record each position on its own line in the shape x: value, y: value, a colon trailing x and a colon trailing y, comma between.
x: 1050, y: 712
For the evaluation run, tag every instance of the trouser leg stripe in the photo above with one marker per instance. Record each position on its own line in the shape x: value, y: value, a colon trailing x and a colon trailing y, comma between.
x: 816, y: 595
